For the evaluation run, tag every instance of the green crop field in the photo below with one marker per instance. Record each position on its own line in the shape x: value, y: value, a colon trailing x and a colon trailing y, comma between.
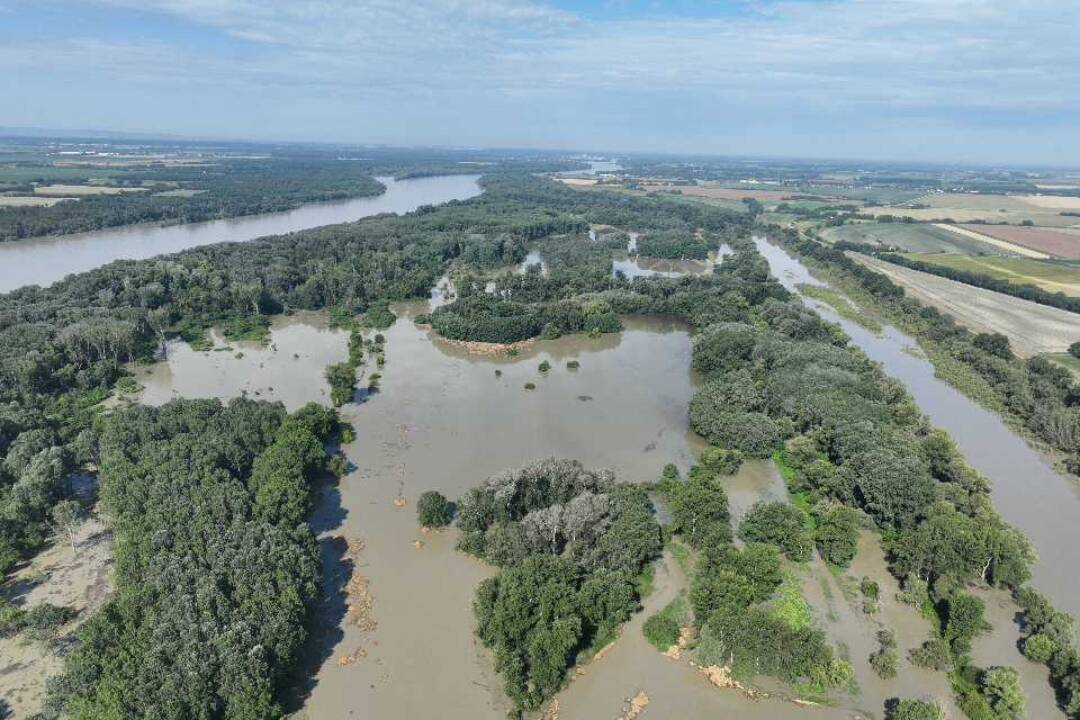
x: 1052, y: 275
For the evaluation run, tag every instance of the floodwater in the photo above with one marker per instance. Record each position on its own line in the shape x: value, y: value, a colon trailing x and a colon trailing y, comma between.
x: 443, y: 420
x: 838, y: 608
x: 43, y: 261
x: 289, y: 367
x: 674, y: 688
x: 1027, y: 490
x: 1000, y: 647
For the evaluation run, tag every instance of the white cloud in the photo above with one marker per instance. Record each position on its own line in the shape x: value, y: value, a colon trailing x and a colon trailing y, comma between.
x: 893, y: 53
x: 852, y: 58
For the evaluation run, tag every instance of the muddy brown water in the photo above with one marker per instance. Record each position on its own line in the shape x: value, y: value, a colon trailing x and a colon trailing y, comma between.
x: 289, y: 367
x: 443, y: 420
x: 43, y: 261
x: 1027, y: 490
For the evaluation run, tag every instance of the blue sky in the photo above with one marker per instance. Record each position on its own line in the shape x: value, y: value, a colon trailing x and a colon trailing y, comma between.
x: 988, y: 81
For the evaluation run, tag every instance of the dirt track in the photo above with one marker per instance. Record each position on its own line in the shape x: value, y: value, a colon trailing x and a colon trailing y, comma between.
x: 1031, y: 328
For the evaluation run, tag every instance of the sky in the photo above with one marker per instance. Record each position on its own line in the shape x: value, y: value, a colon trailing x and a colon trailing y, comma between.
x: 982, y: 81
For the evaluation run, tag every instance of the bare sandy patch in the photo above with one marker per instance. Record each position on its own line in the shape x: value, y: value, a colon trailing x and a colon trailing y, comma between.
x: 55, y: 576
x: 578, y: 181
x: 1061, y: 202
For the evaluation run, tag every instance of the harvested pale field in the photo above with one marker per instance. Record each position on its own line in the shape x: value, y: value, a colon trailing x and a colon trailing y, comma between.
x: 578, y: 181
x: 1032, y: 329
x: 719, y: 193
x: 30, y: 201
x: 1042, y: 240
x: 1051, y: 275
x: 914, y: 237
x: 78, y: 190
x: 55, y: 576
x: 180, y: 192
x: 988, y: 239
x: 972, y: 207
x: 975, y: 201
x: 1058, y: 202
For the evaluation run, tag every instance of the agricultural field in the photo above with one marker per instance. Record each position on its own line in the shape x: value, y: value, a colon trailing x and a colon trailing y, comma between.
x: 1067, y: 361
x: 1032, y: 329
x: 73, y: 190
x: 1050, y: 242
x: 721, y: 193
x: 1044, y: 210
x: 911, y: 237
x: 1050, y: 275
x: 29, y: 201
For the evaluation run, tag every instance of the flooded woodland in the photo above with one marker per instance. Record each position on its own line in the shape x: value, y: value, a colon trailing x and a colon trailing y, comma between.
x: 397, y: 607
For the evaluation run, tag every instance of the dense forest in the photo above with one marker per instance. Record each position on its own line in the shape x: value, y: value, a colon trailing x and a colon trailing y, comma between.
x: 230, y: 181
x: 216, y: 567
x: 779, y: 381
x: 220, y: 190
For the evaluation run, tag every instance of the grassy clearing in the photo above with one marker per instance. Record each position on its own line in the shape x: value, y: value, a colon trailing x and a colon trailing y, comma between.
x: 1066, y: 361
x: 1051, y: 275
x: 843, y: 307
x: 662, y: 629
x: 789, y: 605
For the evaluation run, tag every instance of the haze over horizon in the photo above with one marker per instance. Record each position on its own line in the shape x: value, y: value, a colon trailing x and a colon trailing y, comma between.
x: 948, y: 80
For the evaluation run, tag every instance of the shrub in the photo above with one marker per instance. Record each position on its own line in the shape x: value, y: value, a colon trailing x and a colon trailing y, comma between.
x: 780, y: 524
x: 662, y: 629
x: 933, y: 654
x: 914, y: 710
x: 434, y: 510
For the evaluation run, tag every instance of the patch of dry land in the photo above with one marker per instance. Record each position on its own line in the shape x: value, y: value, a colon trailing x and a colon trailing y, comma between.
x: 55, y: 576
x: 578, y: 181
x: 79, y: 190
x: 969, y: 232
x: 1059, y: 202
x: 1042, y: 210
x: 1050, y: 242
x: 30, y: 201
x: 1031, y: 328
x: 721, y: 193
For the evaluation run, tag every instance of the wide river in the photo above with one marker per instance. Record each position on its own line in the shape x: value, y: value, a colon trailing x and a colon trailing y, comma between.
x: 43, y: 261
